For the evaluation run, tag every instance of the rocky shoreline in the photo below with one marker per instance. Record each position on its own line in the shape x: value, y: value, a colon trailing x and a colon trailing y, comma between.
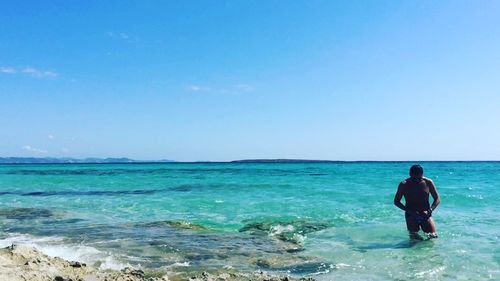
x: 21, y: 263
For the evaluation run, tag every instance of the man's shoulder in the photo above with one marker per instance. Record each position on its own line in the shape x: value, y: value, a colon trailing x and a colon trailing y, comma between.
x: 405, y: 181
x: 428, y: 180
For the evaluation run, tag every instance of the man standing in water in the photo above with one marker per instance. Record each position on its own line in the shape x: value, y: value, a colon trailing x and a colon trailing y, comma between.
x: 418, y: 211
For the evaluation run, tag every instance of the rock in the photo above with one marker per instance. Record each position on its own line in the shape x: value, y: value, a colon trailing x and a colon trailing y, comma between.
x: 76, y: 264
x: 239, y: 276
x: 59, y: 278
x: 21, y: 263
x: 184, y: 225
x: 133, y: 272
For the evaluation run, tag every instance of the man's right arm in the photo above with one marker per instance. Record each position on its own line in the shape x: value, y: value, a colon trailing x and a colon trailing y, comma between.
x: 398, y: 196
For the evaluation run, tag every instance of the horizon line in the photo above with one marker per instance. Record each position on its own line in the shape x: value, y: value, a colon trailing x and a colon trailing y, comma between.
x: 126, y: 160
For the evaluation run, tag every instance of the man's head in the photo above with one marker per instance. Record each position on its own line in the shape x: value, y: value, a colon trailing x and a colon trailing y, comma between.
x: 416, y: 171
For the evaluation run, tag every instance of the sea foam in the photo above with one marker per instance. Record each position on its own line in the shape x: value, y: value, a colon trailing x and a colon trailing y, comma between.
x: 56, y: 247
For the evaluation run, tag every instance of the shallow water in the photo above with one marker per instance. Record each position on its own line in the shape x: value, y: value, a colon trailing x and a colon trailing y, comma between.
x: 333, y: 221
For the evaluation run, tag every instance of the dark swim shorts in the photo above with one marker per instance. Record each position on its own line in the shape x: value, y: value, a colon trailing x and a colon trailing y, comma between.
x: 418, y: 217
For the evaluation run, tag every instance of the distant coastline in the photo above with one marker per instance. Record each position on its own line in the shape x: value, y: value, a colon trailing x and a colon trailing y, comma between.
x: 124, y: 160
x: 55, y: 160
x: 287, y: 161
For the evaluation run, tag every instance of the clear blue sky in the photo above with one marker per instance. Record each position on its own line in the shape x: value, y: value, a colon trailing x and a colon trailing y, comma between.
x: 224, y: 80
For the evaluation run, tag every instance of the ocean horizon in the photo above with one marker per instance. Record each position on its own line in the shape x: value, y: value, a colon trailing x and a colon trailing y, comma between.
x: 126, y: 160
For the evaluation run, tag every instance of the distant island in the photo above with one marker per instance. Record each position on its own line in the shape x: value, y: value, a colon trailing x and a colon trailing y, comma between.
x: 281, y: 161
x: 54, y: 160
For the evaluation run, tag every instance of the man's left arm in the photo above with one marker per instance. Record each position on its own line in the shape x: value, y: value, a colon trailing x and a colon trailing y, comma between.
x: 435, y: 195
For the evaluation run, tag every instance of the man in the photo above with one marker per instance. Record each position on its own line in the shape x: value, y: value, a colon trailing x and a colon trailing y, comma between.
x: 418, y: 212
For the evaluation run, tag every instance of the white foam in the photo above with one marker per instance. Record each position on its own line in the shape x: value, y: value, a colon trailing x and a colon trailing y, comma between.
x: 431, y: 272
x: 53, y: 246
x: 341, y: 265
x: 180, y: 264
x: 278, y: 229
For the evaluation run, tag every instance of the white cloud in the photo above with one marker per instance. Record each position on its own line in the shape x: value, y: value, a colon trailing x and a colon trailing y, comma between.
x: 236, y: 88
x: 29, y: 71
x: 64, y: 150
x: 34, y: 149
x: 33, y: 72
x: 197, y: 88
x: 7, y: 69
x: 120, y: 35
x: 50, y: 136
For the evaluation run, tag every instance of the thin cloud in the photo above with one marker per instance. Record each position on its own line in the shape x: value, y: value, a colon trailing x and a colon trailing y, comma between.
x: 243, y: 87
x: 197, y: 88
x: 37, y: 73
x: 8, y: 70
x: 123, y: 35
x: 29, y: 71
x: 120, y: 35
x: 236, y: 88
x: 34, y: 149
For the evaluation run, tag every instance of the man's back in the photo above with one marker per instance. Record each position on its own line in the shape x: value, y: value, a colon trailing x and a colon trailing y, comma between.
x: 416, y: 194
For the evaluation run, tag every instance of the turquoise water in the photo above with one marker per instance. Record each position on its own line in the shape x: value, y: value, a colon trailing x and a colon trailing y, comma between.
x: 331, y: 221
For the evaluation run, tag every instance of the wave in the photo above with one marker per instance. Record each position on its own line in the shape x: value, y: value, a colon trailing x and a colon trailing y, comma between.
x: 56, y: 247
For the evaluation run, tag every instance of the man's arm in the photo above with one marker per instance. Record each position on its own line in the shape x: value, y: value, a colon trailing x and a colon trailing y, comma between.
x: 435, y: 195
x: 398, y: 196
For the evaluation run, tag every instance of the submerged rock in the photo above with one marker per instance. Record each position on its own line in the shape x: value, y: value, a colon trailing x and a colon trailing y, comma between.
x: 300, y: 267
x: 289, y: 231
x: 173, y: 224
x: 25, y: 213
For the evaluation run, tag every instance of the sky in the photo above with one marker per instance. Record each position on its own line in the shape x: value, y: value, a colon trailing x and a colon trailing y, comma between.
x: 227, y: 80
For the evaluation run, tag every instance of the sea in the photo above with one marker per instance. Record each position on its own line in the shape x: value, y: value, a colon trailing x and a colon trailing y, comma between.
x: 328, y: 221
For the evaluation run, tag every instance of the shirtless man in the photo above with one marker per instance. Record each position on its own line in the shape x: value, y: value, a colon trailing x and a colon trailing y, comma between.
x: 418, y: 212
